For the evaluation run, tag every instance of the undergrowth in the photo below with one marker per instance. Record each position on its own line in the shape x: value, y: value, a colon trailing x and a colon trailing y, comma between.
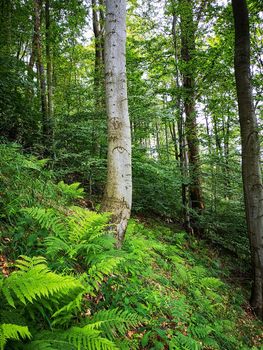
x: 64, y: 285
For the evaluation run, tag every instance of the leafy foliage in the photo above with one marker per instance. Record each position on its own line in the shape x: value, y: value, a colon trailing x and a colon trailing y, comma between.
x: 162, y: 289
x: 12, y: 331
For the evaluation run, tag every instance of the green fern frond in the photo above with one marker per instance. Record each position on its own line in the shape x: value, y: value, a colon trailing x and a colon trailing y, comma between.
x: 75, y: 338
x: 87, y: 338
x: 25, y: 263
x: 116, y: 321
x: 34, y: 282
x: 12, y: 331
x: 65, y: 314
x: 211, y: 282
x: 48, y: 219
x: 200, y: 331
x: 97, y: 271
x: 45, y: 344
x: 56, y: 245
x: 86, y: 224
x: 72, y: 191
x: 187, y: 343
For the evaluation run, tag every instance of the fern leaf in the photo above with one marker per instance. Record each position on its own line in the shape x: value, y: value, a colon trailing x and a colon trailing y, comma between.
x: 87, y: 338
x: 36, y: 282
x: 116, y: 321
x: 12, y: 331
x: 48, y: 219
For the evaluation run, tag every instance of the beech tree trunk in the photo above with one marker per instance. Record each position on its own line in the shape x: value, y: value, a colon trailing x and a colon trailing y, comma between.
x: 251, y: 171
x: 118, y: 191
x: 187, y: 54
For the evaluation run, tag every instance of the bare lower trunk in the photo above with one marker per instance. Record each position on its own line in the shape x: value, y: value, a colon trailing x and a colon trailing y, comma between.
x: 99, y: 104
x: 49, y: 59
x: 49, y: 76
x: 41, y: 74
x: 118, y: 191
x: 182, y: 155
x: 251, y: 171
x: 187, y: 52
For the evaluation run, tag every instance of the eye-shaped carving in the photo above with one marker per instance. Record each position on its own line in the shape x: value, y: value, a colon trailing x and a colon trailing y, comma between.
x: 120, y: 149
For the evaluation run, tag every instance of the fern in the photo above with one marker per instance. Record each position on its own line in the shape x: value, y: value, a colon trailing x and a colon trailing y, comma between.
x: 88, y: 338
x: 75, y: 338
x: 186, y: 342
x: 116, y: 321
x: 96, y: 272
x: 12, y: 331
x: 72, y: 191
x: 74, y: 225
x: 48, y: 219
x: 35, y: 281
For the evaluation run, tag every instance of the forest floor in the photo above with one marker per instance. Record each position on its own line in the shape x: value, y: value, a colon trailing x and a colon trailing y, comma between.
x: 164, y: 290
x: 191, y: 295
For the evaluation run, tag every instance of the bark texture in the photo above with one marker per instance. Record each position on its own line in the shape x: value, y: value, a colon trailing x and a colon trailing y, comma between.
x: 118, y: 191
x: 49, y: 65
x: 187, y: 54
x: 46, y: 125
x: 251, y: 171
x: 182, y: 155
x: 99, y: 107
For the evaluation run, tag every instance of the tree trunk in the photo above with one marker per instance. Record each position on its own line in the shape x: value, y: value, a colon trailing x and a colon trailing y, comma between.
x: 251, y: 171
x: 41, y: 74
x: 187, y: 55
x: 99, y: 106
x: 118, y: 192
x: 49, y: 69
x: 182, y: 156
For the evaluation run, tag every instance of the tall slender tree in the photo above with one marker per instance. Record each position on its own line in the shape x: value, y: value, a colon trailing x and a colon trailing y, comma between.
x: 38, y: 52
x: 40, y: 66
x: 49, y: 69
x: 98, y: 30
x: 118, y: 191
x: 188, y: 32
x: 251, y: 170
x: 183, y: 156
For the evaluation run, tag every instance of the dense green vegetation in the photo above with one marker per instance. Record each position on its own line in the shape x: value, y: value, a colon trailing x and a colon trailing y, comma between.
x: 131, y: 193
x: 64, y: 285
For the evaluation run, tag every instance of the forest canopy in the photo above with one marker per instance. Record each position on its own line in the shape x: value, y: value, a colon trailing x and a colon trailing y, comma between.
x: 130, y: 174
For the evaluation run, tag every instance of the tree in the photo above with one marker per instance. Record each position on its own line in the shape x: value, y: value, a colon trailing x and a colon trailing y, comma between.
x: 251, y: 170
x: 118, y: 191
x: 45, y: 103
x: 49, y: 70
x: 98, y: 30
x: 188, y: 32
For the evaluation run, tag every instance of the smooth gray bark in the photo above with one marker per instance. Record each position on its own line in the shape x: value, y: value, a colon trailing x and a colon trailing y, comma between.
x: 118, y: 191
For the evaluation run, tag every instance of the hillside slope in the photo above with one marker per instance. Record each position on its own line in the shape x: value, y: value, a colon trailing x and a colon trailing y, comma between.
x: 71, y: 289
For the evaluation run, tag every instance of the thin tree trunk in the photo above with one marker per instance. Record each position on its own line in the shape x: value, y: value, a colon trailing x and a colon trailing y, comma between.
x: 99, y: 105
x: 41, y: 75
x: 49, y: 73
x: 251, y: 171
x: 187, y: 54
x: 118, y: 192
x: 182, y: 156
x: 226, y: 128
x: 157, y: 140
